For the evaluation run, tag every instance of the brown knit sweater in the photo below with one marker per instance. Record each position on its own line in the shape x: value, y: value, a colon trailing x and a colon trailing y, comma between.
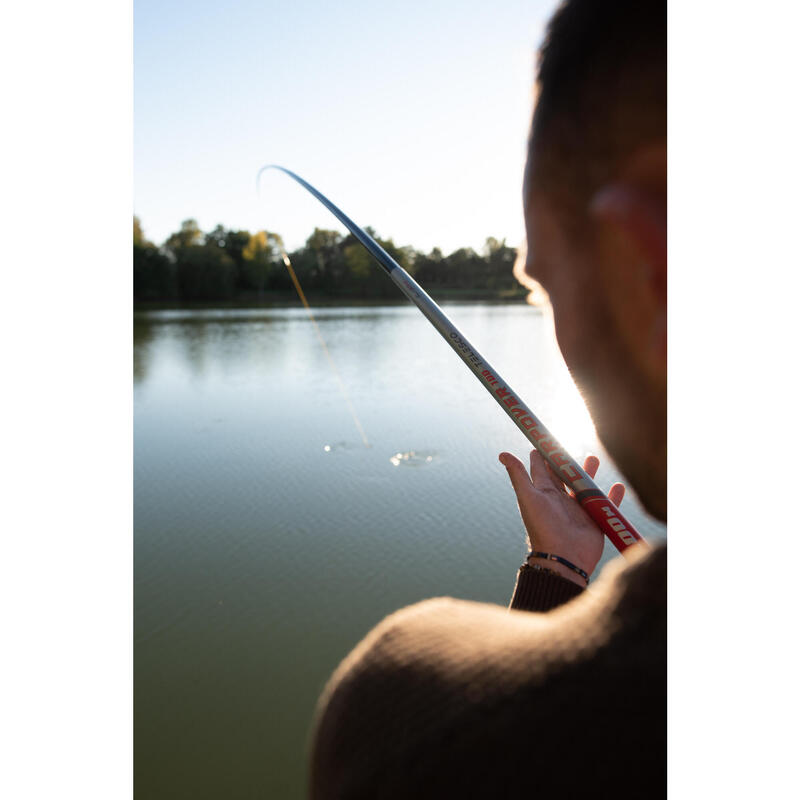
x: 450, y: 698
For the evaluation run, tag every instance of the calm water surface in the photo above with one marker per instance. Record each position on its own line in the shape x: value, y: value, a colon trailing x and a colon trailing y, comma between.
x: 269, y: 539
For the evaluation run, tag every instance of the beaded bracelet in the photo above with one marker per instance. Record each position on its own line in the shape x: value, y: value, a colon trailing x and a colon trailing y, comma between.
x: 568, y: 564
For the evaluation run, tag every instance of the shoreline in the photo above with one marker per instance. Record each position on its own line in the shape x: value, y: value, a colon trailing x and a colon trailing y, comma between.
x: 290, y: 299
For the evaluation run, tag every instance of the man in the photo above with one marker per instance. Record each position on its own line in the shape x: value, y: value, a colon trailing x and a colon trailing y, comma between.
x: 450, y: 698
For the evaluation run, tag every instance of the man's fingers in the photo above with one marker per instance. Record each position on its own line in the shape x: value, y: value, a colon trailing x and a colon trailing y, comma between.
x: 590, y: 465
x: 542, y: 477
x: 516, y: 472
x: 557, y: 482
x: 616, y: 493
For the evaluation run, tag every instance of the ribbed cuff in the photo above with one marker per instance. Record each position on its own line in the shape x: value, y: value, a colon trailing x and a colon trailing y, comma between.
x: 541, y: 591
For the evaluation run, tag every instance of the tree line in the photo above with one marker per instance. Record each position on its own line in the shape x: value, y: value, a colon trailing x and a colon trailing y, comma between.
x: 230, y: 265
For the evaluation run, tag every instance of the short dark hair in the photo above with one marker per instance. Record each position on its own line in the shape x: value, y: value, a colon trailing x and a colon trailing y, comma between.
x: 602, y: 92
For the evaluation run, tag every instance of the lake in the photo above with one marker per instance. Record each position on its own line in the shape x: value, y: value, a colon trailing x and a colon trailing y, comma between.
x: 269, y: 538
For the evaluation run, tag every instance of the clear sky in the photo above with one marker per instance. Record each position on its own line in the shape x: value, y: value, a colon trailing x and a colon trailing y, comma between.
x: 412, y: 116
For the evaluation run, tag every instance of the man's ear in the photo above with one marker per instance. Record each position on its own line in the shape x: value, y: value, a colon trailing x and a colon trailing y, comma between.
x: 635, y: 203
x: 641, y: 217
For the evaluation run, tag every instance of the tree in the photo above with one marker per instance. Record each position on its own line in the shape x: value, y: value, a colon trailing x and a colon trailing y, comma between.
x: 226, y: 263
x: 138, y: 234
x: 326, y: 246
x: 462, y: 269
x: 304, y: 264
x: 188, y: 236
x: 428, y: 269
x: 500, y: 263
x: 360, y: 268
x: 259, y: 258
x: 153, y: 273
x: 203, y: 269
x: 205, y: 272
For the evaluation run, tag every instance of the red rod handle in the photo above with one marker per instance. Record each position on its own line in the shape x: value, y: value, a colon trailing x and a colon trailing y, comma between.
x: 611, y: 522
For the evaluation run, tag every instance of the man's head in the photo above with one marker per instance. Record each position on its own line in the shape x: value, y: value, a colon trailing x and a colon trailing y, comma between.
x: 595, y: 213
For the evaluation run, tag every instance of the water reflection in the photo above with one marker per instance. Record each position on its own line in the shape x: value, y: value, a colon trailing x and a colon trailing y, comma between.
x: 143, y: 335
x: 412, y: 458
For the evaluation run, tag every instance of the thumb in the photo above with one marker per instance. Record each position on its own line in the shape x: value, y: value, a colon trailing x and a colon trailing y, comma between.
x: 520, y: 480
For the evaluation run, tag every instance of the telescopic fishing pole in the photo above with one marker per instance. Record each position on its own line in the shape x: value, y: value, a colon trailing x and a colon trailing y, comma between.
x: 594, y: 502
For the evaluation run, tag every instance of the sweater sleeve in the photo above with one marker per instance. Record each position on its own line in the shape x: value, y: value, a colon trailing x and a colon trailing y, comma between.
x: 541, y: 591
x: 447, y: 698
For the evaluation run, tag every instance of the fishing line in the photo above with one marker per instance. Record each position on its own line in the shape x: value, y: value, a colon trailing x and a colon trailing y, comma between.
x: 594, y: 502
x: 335, y: 369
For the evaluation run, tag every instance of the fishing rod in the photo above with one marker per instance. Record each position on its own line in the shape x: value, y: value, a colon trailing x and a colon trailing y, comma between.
x: 594, y: 502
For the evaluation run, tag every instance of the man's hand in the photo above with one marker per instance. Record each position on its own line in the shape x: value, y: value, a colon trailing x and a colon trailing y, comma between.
x: 554, y: 521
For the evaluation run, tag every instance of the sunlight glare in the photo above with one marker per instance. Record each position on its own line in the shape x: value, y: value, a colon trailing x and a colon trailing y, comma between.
x: 567, y: 417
